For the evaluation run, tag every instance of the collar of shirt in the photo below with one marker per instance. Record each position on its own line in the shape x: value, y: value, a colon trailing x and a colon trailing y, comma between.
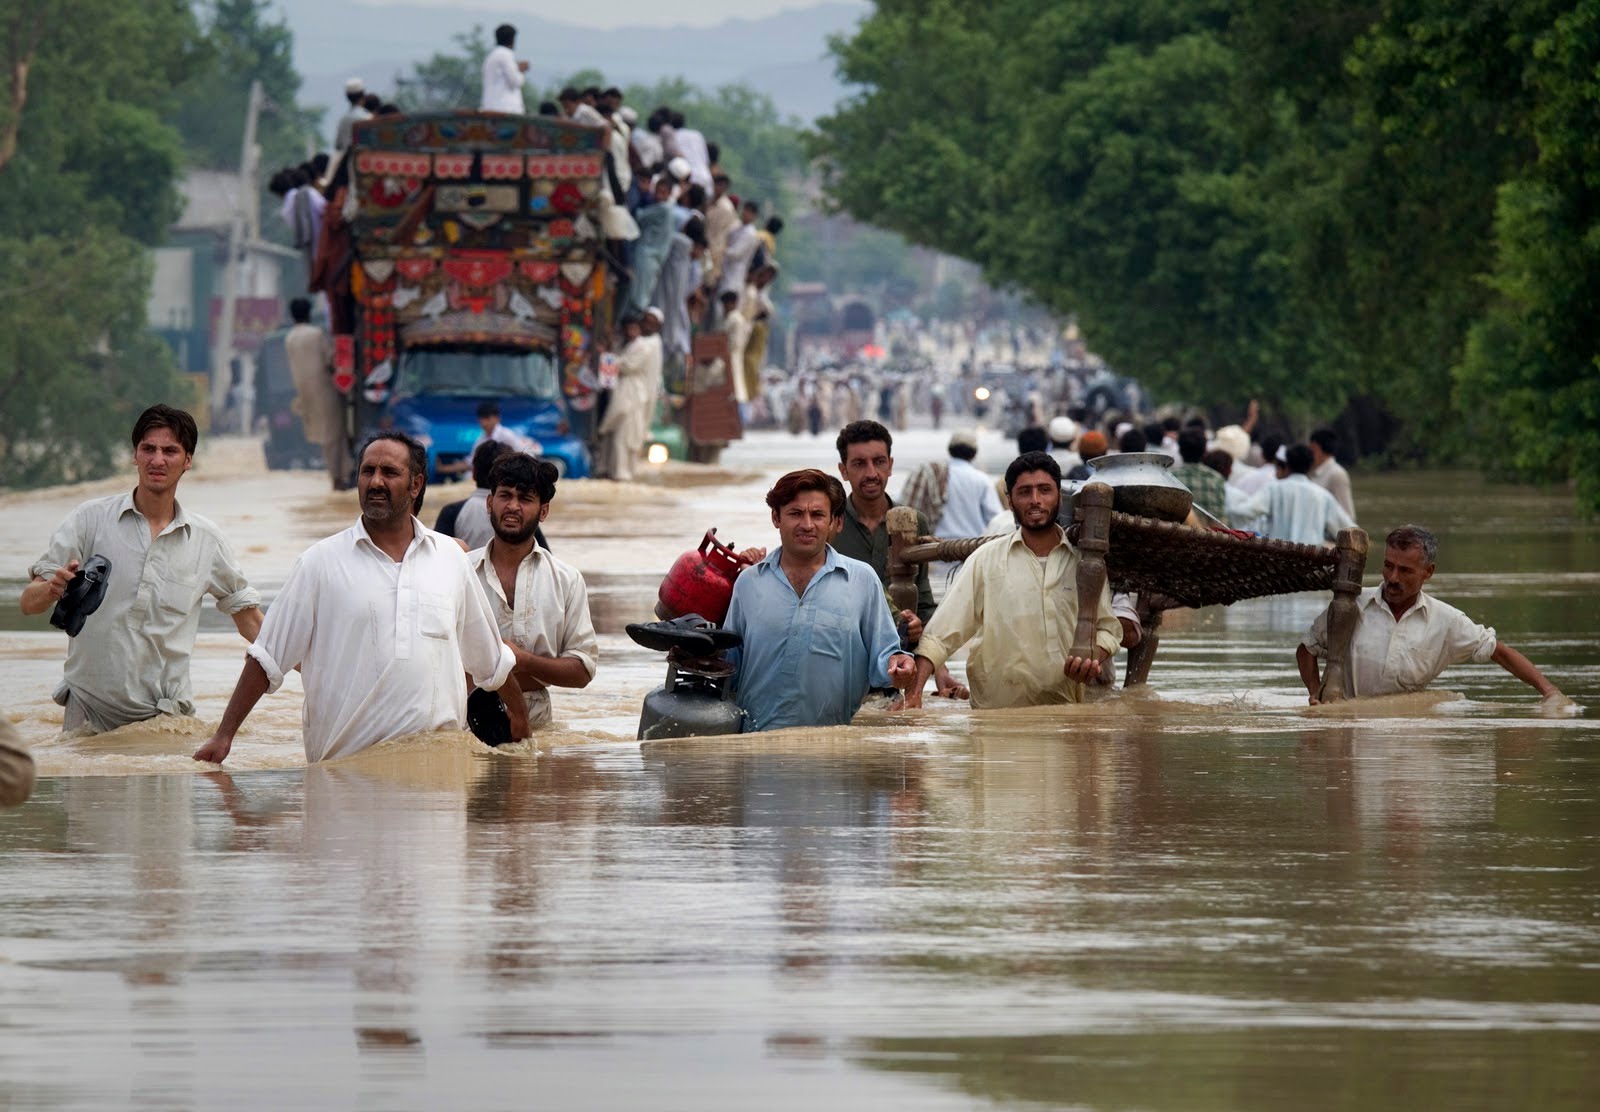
x: 479, y: 559
x: 1418, y: 607
x: 420, y: 535
x: 179, y: 520
x: 850, y: 512
x: 1061, y: 539
x: 830, y: 562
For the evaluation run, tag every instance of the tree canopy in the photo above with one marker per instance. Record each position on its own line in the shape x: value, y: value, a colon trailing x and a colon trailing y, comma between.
x: 1387, y: 203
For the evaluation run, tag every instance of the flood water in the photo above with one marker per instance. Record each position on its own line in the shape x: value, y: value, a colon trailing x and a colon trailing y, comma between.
x: 1201, y: 896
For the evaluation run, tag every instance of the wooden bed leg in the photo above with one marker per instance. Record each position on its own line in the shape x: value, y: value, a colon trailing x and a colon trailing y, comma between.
x: 1344, y: 611
x: 902, y: 526
x: 1094, y: 541
x: 1142, y: 655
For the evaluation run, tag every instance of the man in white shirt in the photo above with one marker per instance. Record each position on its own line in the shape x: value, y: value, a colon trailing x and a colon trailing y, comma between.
x: 493, y: 429
x: 969, y: 495
x: 540, y: 604
x: 1253, y: 480
x: 1295, y: 508
x: 1327, y: 472
x: 737, y: 329
x: 383, y: 619
x: 131, y: 661
x: 721, y: 219
x: 310, y: 353
x: 633, y: 401
x: 354, y: 90
x: 1405, y: 637
x: 692, y: 146
x: 741, y: 248
x: 503, y: 75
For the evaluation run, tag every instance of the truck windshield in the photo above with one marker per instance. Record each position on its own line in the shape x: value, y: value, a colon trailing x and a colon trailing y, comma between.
x: 477, y: 373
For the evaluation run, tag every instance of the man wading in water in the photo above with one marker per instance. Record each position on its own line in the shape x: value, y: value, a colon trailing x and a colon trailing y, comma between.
x: 817, y: 631
x: 385, y: 617
x: 1021, y: 594
x: 1405, y: 637
x: 131, y: 663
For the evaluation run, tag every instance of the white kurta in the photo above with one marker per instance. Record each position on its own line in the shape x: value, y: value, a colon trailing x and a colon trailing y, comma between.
x: 550, y: 617
x: 310, y: 352
x: 1389, y: 655
x: 737, y: 330
x: 502, y: 82
x: 633, y: 404
x: 383, y: 646
x: 736, y: 257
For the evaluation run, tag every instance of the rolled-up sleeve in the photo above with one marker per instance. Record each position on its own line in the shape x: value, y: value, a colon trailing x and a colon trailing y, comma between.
x: 285, y: 635
x: 228, y: 585
x: 1316, y: 638
x: 67, y: 543
x: 1466, y: 640
x: 577, y: 629
x: 487, y: 658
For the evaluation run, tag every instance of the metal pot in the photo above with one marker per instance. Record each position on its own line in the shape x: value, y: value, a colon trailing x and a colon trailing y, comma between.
x: 1142, y: 483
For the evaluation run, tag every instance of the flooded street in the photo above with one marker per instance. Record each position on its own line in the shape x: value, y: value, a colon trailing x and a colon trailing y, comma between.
x: 1205, y: 895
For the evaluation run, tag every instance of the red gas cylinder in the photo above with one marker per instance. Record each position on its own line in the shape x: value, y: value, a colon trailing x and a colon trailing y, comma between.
x: 700, y: 582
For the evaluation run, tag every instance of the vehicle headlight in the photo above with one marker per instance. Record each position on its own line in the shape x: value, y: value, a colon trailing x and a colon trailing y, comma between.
x: 981, y: 393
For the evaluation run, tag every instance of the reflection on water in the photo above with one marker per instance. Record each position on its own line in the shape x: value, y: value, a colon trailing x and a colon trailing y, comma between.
x: 1198, y: 896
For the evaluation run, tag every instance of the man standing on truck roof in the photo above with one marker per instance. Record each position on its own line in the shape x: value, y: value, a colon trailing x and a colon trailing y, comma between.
x: 503, y: 75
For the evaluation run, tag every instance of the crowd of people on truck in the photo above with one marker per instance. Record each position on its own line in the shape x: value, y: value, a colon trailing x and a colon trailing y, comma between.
x: 393, y: 625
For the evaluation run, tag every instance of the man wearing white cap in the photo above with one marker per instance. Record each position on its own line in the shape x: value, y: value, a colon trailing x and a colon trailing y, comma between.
x: 633, y: 400
x: 354, y: 90
x: 1063, y: 431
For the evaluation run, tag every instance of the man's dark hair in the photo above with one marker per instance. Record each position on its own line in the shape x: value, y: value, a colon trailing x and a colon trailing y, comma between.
x: 862, y: 432
x: 1269, y: 447
x: 488, y: 409
x: 751, y: 206
x: 968, y: 452
x: 796, y: 483
x: 505, y: 35
x: 524, y: 474
x: 1192, y: 445
x: 1032, y: 439
x: 592, y: 91
x: 176, y: 421
x: 484, y: 457
x: 1219, y: 461
x: 713, y: 152
x: 354, y: 97
x: 677, y: 120
x: 319, y: 165
x: 1327, y: 440
x: 721, y: 179
x: 549, y: 108
x: 1298, y: 459
x: 1132, y: 441
x: 775, y: 225
x: 416, y: 454
x: 372, y: 102
x: 1154, y: 433
x: 300, y: 310
x: 1196, y: 422
x: 1031, y: 461
x: 612, y: 91
x: 1414, y: 537
x: 1171, y: 424
x: 727, y: 296
x: 696, y: 196
x: 567, y: 94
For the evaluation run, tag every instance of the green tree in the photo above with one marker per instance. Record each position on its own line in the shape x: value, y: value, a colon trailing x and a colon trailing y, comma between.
x: 86, y: 186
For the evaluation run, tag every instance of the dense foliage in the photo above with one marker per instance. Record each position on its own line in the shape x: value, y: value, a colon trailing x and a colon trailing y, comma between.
x: 1389, y: 203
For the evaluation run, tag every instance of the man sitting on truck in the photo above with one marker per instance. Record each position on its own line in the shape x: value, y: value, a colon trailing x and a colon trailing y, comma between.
x: 489, y: 422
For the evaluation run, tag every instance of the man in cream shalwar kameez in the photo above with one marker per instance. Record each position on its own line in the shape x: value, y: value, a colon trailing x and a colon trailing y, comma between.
x: 633, y: 401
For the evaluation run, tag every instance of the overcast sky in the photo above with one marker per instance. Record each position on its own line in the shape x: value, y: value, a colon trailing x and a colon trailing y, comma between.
x: 616, y: 13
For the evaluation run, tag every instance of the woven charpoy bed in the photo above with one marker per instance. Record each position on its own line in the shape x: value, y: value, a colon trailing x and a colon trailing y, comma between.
x: 1167, y: 566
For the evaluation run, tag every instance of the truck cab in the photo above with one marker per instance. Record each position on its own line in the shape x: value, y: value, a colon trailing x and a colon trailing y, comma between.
x: 437, y: 391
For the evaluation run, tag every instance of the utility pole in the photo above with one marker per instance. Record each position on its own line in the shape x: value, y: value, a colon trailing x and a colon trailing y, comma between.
x: 242, y: 229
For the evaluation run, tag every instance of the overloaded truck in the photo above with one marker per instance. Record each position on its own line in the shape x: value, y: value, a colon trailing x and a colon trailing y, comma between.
x: 477, y: 275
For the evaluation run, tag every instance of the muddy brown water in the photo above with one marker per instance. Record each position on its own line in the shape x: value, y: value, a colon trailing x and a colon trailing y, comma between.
x: 1201, y: 896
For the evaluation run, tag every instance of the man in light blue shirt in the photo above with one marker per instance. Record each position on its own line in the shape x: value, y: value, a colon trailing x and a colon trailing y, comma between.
x: 1296, y: 509
x: 816, y: 626
x: 970, y: 501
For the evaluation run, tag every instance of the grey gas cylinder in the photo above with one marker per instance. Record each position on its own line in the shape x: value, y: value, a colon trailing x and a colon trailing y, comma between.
x: 691, y: 704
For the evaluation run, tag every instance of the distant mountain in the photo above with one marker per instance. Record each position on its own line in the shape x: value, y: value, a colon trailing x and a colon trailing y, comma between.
x: 782, y: 55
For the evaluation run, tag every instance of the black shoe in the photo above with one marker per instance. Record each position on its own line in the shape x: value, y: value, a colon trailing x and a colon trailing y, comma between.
x: 85, y: 592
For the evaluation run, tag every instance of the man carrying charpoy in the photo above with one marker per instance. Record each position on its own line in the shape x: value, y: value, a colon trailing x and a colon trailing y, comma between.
x: 866, y: 464
x: 132, y: 661
x: 1405, y: 637
x: 817, y: 632
x: 1020, y: 594
x: 385, y: 620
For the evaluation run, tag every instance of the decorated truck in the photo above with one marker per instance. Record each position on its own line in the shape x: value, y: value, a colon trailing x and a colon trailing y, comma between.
x: 477, y: 276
